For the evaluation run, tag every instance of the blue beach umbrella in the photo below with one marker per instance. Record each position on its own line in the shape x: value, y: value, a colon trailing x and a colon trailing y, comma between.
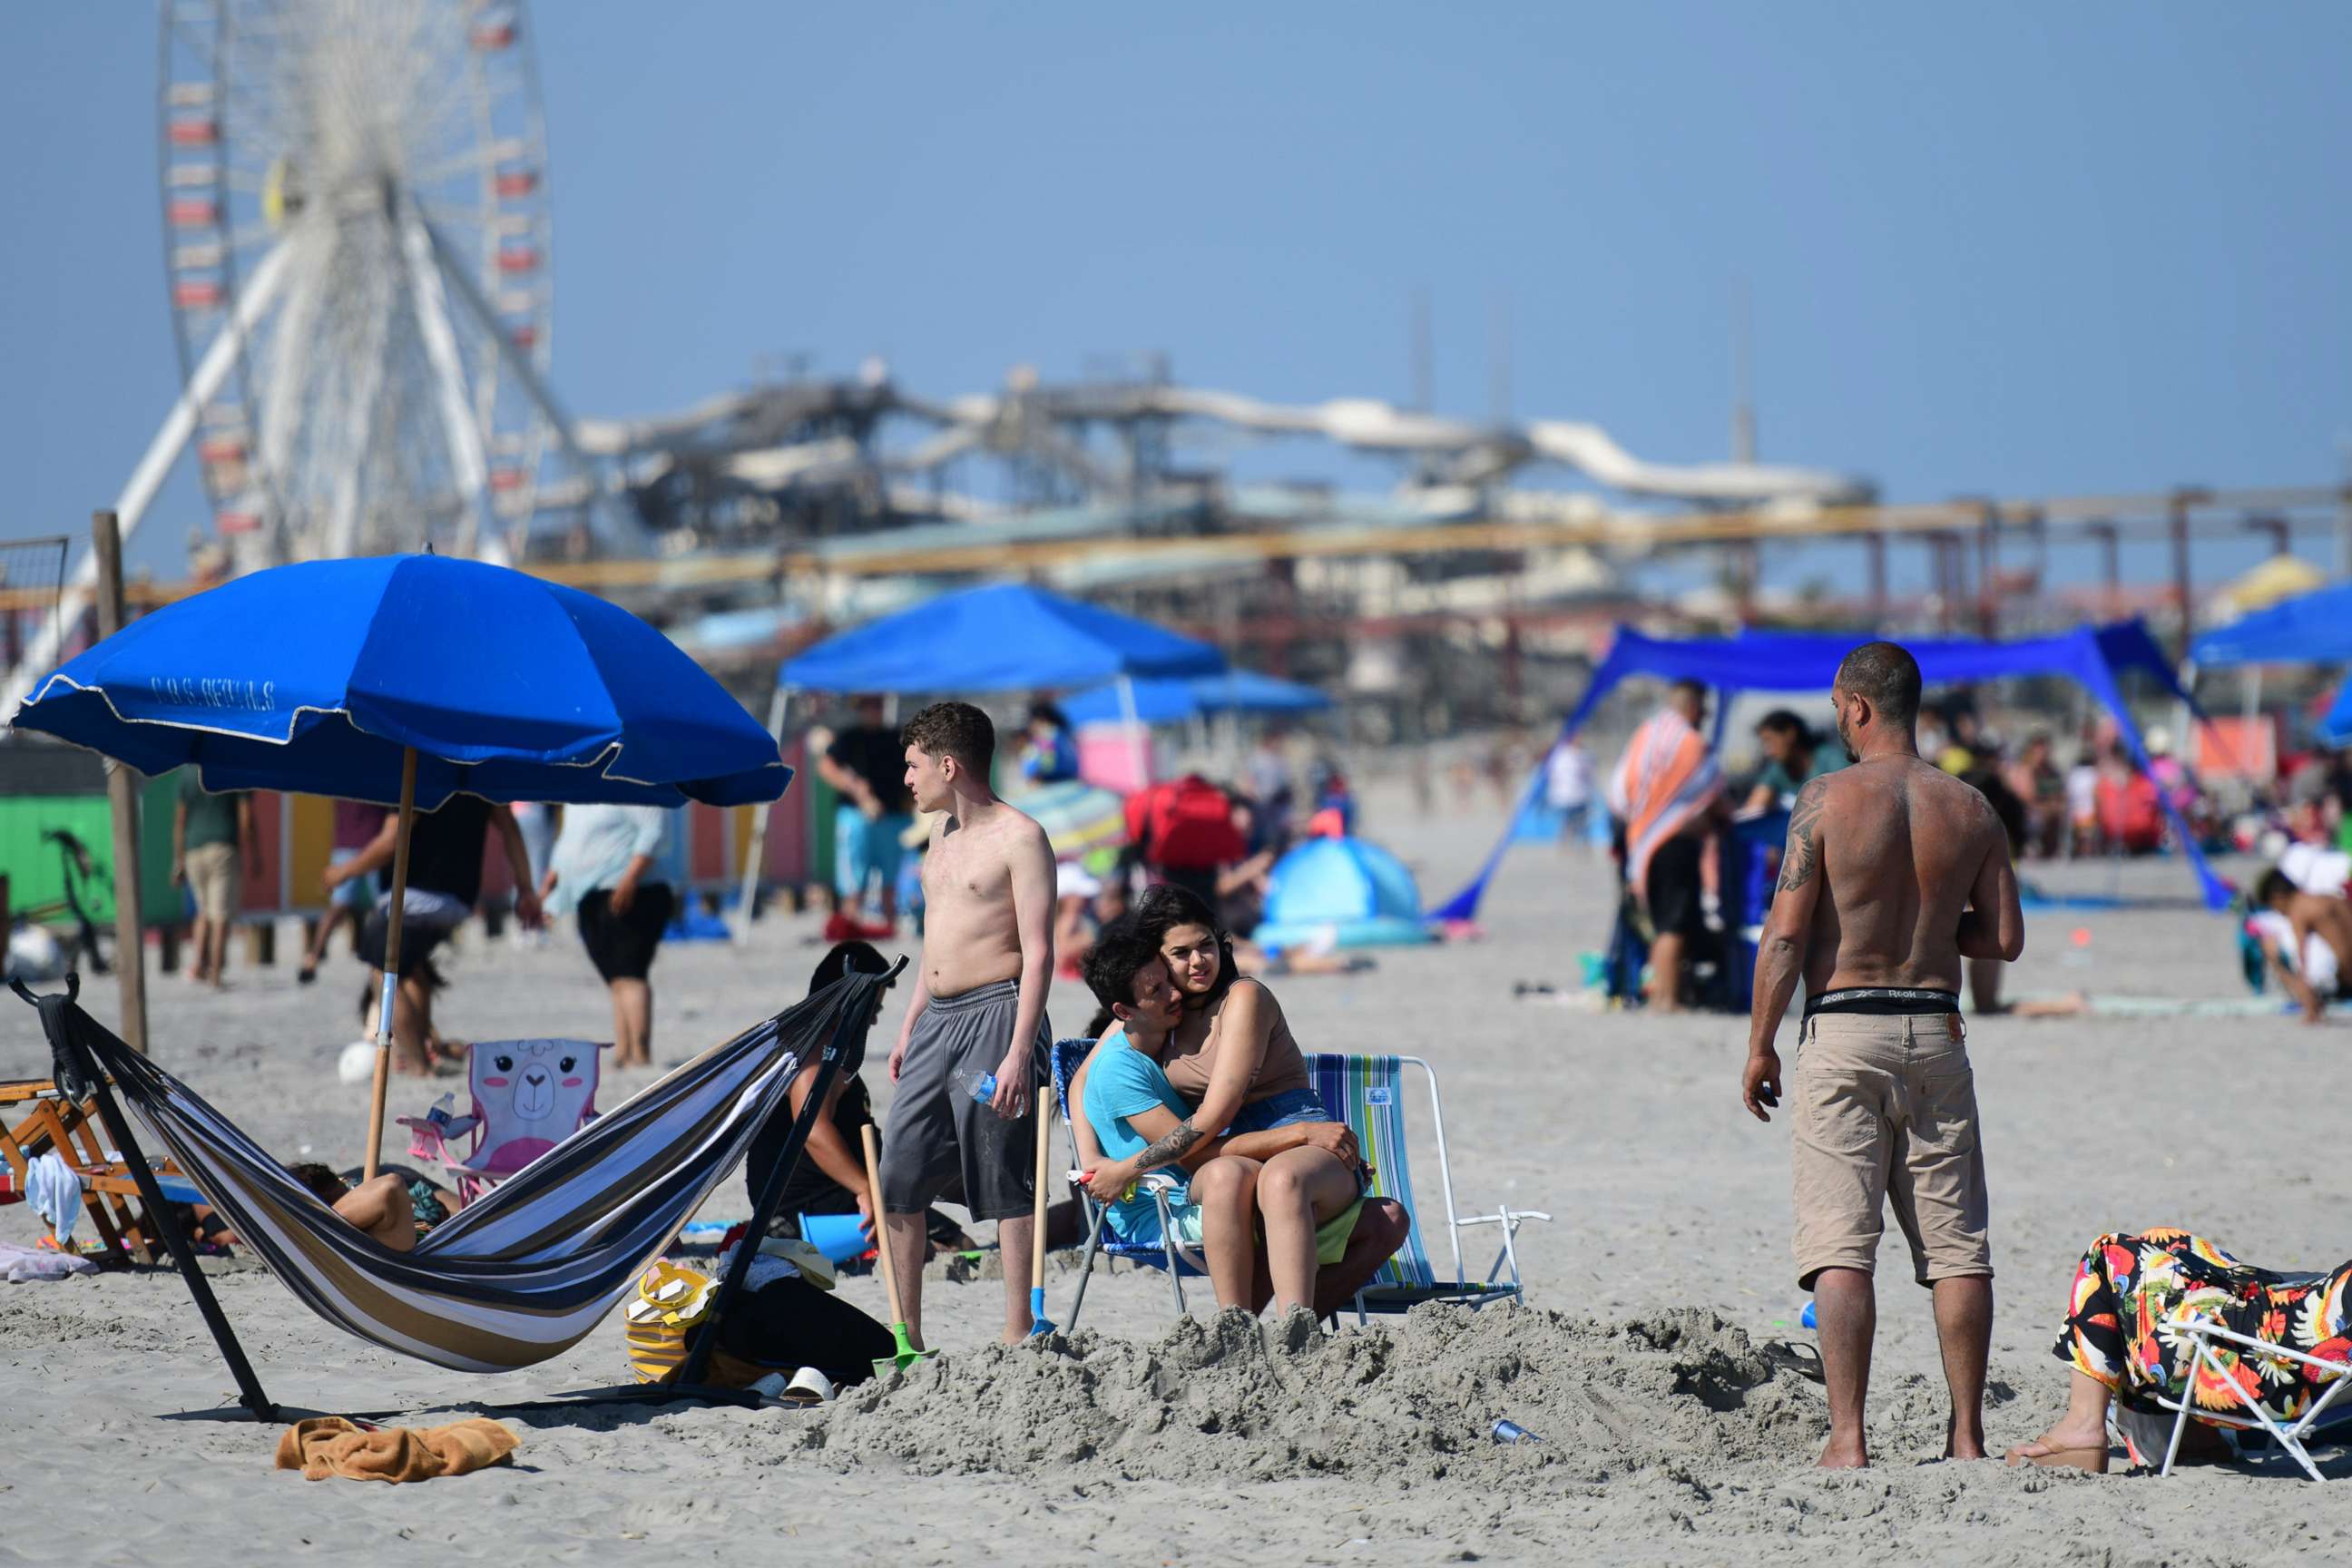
x: 404, y: 679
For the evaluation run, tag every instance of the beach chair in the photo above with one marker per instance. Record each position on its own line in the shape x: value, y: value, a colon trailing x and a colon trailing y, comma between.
x: 2330, y: 1417
x: 1101, y: 1240
x: 529, y: 1096
x: 1368, y: 1093
x: 46, y: 1120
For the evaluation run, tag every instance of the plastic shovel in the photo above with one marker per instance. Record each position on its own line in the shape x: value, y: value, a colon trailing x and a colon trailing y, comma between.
x: 905, y: 1355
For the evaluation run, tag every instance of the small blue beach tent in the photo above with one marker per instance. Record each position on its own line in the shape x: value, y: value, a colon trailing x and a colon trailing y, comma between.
x: 1351, y: 890
x: 1808, y: 661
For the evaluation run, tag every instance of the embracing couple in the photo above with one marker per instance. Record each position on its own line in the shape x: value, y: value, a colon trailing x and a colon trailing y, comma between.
x: 1196, y: 1074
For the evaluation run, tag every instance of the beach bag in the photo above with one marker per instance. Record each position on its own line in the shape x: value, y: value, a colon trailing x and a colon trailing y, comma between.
x: 671, y: 1301
x: 1191, y: 828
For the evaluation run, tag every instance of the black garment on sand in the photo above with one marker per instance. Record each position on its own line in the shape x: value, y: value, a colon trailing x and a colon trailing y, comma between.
x: 788, y: 1324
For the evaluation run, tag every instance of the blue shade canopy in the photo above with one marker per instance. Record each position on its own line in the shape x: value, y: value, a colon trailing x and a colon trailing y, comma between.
x: 1008, y: 637
x: 314, y: 676
x: 1173, y: 700
x: 2310, y: 628
x: 1808, y: 661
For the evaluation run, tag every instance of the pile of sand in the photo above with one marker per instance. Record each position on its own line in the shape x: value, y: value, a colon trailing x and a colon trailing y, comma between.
x: 1235, y: 1399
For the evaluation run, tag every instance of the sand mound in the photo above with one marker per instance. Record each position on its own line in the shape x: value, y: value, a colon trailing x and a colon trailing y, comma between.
x: 1233, y: 1398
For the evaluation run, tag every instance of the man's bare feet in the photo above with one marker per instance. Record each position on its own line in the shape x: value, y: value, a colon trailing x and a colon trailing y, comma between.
x: 1957, y: 1447
x: 1845, y: 1453
x: 2065, y: 1446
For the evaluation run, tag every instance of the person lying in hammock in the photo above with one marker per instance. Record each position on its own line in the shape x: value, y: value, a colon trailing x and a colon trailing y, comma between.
x: 384, y: 1207
x: 2120, y: 1341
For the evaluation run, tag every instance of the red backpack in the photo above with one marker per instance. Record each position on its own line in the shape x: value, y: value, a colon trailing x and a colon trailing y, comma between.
x: 1190, y: 827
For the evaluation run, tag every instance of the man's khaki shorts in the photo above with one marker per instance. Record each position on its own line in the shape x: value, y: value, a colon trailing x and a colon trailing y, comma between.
x: 212, y: 879
x: 1885, y: 1109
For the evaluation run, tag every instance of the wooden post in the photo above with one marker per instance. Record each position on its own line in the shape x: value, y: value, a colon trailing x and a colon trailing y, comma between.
x: 388, y: 1004
x: 123, y: 799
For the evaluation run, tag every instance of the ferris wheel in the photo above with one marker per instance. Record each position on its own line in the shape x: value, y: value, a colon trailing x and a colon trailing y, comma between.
x: 357, y: 250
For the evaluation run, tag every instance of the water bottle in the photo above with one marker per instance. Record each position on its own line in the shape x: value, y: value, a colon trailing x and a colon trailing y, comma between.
x: 980, y: 1085
x: 1508, y: 1431
x: 439, y: 1114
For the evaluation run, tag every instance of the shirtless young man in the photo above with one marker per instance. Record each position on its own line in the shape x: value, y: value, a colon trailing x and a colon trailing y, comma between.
x: 979, y: 1006
x: 1895, y: 872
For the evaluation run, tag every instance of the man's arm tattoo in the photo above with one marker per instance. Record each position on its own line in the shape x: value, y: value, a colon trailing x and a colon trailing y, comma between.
x: 1171, y: 1149
x: 1802, y: 857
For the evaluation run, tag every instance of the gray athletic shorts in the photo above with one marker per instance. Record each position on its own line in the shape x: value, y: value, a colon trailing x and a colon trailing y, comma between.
x: 939, y: 1132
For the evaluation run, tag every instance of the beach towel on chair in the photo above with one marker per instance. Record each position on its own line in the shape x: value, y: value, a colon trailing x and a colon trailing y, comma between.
x: 525, y: 1272
x: 1666, y: 778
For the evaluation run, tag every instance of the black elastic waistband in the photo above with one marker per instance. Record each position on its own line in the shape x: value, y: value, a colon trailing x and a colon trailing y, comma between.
x: 1883, y: 1001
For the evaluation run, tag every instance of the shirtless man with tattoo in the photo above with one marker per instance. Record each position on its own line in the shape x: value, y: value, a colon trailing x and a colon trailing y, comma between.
x: 979, y: 1005
x: 1895, y: 872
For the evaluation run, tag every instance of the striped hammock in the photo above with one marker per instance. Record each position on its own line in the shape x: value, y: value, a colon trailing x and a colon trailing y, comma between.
x: 528, y: 1270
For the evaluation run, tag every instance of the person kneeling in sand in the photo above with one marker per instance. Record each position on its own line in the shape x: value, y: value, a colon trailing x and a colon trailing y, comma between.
x: 2318, y: 935
x: 2122, y: 1340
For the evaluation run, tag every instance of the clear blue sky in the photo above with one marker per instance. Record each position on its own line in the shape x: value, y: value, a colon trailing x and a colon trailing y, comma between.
x: 2003, y: 249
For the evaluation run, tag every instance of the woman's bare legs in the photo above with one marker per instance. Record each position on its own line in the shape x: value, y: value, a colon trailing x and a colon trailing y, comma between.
x: 633, y: 1023
x: 2080, y: 1436
x: 1227, y: 1188
x: 1298, y: 1190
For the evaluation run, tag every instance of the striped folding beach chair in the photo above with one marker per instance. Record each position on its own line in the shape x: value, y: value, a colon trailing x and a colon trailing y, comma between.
x: 1101, y: 1240
x: 1368, y: 1094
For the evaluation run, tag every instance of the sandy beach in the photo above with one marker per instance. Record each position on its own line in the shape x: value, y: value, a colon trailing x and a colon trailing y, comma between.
x: 1668, y: 1436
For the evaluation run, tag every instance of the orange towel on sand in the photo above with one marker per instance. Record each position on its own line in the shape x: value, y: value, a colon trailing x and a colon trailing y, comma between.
x: 327, y: 1446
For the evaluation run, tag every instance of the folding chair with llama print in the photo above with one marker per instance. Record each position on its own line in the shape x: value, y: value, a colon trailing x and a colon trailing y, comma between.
x: 529, y: 1096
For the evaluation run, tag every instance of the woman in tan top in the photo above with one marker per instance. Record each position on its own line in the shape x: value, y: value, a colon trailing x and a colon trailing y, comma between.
x: 1234, y: 1056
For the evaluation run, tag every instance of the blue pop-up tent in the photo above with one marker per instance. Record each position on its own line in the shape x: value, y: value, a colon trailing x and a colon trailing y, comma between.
x: 1808, y: 661
x: 1172, y: 699
x: 2310, y: 628
x: 1003, y: 638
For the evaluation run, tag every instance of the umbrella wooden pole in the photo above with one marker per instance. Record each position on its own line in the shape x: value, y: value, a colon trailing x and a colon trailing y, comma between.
x: 389, y: 1001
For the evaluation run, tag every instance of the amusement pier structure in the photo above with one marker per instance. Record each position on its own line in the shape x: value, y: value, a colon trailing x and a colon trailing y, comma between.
x: 359, y: 259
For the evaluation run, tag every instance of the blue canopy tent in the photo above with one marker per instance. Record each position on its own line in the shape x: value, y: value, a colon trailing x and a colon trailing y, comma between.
x: 1007, y: 636
x: 2310, y: 628
x: 1808, y: 661
x: 1171, y: 699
